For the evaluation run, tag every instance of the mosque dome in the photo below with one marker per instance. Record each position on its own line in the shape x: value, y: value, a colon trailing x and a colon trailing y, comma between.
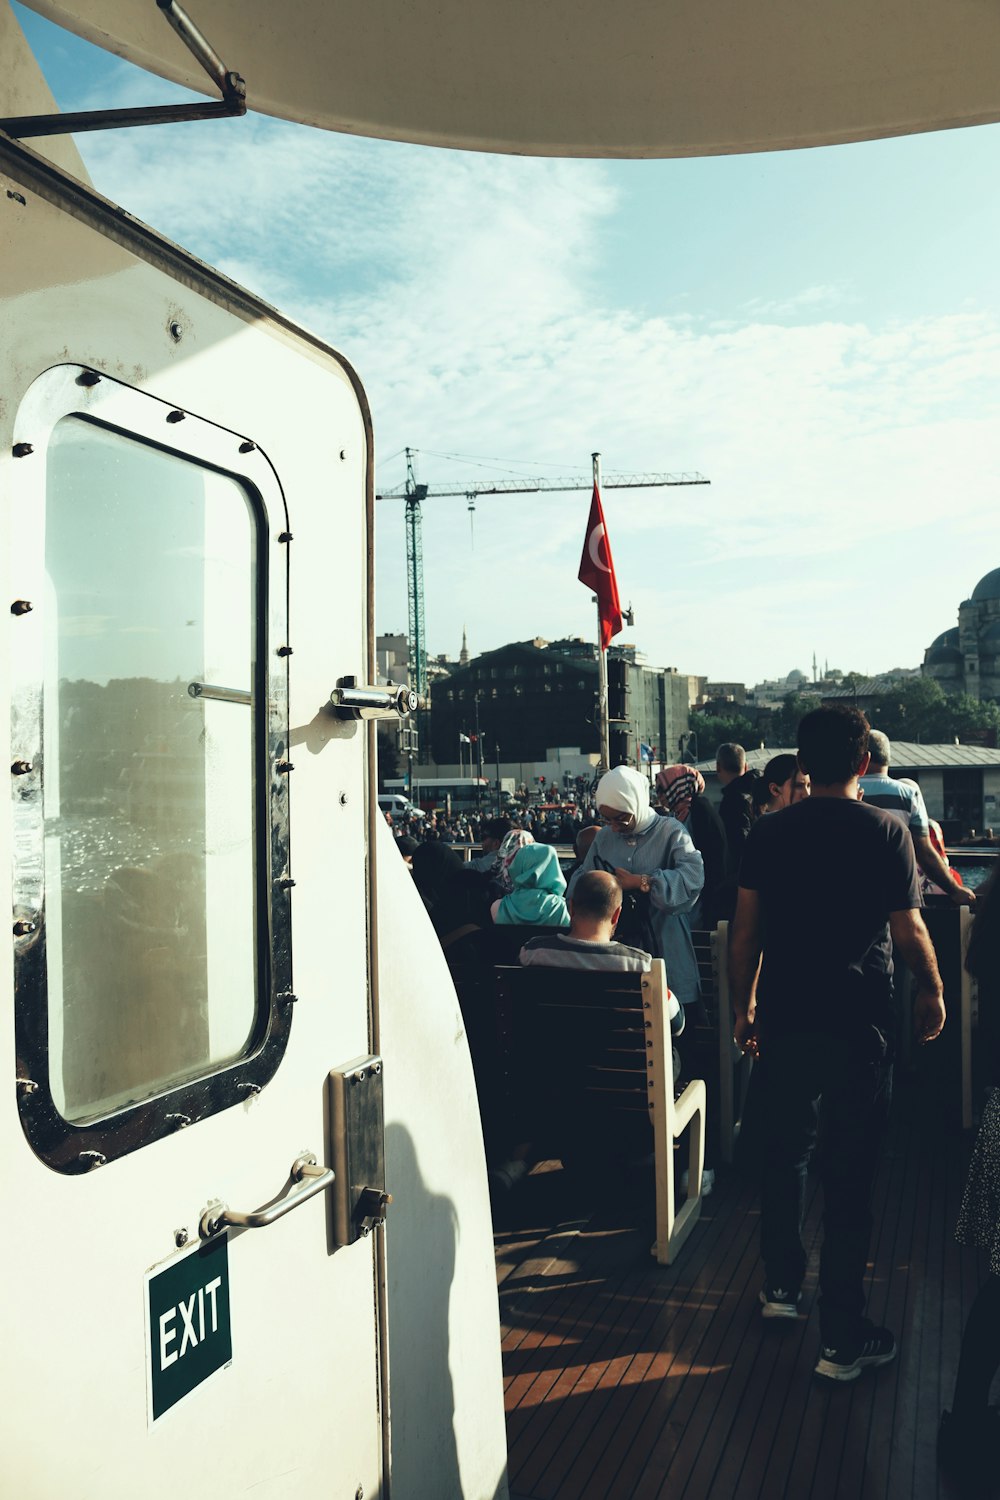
x: 943, y: 656
x: 988, y: 587
x: 946, y: 638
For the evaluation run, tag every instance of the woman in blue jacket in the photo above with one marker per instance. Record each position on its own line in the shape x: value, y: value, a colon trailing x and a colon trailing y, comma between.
x: 660, y: 872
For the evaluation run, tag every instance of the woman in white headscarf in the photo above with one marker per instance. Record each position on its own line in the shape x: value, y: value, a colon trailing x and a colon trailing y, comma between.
x: 659, y: 869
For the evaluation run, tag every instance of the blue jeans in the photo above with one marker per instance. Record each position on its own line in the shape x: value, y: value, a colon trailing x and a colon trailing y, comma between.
x: 830, y: 1095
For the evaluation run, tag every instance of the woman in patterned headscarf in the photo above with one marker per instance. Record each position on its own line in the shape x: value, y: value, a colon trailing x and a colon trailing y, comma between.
x: 514, y: 841
x: 676, y: 787
x: 680, y: 793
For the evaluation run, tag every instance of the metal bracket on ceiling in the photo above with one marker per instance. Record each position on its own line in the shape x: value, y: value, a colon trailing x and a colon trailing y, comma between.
x: 229, y: 84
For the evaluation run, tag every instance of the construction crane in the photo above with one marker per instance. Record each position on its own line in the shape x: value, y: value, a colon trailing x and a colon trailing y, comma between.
x: 415, y: 494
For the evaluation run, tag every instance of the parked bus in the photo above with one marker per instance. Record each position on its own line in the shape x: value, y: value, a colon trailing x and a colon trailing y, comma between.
x: 446, y: 794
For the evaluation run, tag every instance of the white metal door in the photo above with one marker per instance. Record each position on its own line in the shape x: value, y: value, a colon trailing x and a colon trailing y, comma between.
x: 184, y: 481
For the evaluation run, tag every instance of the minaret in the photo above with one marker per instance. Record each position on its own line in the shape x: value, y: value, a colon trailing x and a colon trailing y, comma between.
x: 463, y: 655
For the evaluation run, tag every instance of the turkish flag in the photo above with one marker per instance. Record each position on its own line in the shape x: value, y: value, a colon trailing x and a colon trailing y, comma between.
x: 597, y: 571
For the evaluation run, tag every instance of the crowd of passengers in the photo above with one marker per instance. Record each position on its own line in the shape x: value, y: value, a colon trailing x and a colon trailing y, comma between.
x: 645, y: 874
x: 545, y: 825
x: 651, y: 864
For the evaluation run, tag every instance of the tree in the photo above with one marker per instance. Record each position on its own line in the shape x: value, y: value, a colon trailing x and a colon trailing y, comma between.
x: 714, y: 730
x: 967, y: 716
x: 918, y: 709
x: 786, y: 721
x: 913, y: 710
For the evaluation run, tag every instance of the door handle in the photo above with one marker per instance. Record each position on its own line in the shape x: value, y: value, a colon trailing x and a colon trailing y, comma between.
x: 304, y: 1169
x: 353, y: 700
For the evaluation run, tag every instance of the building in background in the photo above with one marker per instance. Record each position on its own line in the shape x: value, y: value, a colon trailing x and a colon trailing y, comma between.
x: 966, y: 658
x: 867, y: 693
x: 530, y: 698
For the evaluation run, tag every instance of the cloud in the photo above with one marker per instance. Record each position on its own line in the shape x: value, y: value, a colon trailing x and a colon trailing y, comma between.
x: 85, y: 625
x: 807, y: 300
x: 850, y: 457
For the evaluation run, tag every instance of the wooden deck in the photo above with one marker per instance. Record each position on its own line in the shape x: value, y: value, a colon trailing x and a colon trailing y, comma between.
x: 624, y: 1379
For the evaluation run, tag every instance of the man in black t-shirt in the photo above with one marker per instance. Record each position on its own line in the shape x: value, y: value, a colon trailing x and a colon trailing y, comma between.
x: 826, y: 887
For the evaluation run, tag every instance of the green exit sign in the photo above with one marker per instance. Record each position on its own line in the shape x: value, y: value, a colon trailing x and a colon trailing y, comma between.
x: 190, y: 1335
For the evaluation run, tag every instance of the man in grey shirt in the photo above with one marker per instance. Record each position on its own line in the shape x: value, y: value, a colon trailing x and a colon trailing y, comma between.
x: 588, y: 945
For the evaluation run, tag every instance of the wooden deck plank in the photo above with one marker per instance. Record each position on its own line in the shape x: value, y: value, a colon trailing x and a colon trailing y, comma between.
x: 627, y: 1381
x: 695, y: 1401
x: 666, y: 1427
x: 558, y: 1320
x: 660, y: 1319
x: 781, y: 1411
x: 669, y: 1314
x: 650, y: 1387
x: 675, y: 1296
x: 899, y: 1264
x: 619, y: 1315
x: 921, y: 1428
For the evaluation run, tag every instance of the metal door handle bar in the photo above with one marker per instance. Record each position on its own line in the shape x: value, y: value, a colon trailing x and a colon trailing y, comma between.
x: 219, y: 1216
x: 353, y: 700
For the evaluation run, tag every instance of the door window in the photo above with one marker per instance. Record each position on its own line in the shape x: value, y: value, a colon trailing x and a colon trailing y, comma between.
x: 148, y: 793
x: 151, y: 814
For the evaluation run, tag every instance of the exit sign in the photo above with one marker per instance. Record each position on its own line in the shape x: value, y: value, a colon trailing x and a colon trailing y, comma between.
x: 189, y: 1328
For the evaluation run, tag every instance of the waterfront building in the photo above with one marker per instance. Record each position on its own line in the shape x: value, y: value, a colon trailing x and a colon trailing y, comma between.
x: 529, y: 696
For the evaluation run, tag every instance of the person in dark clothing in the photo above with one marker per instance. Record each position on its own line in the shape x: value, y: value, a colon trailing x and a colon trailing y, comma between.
x: 783, y: 783
x: 736, y: 812
x: 736, y: 806
x: 822, y: 886
x: 969, y: 1436
x: 680, y: 793
x: 493, y: 833
x: 584, y: 838
x: 454, y: 896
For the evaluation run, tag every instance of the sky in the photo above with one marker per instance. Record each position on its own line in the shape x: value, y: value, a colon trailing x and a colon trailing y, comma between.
x: 817, y: 332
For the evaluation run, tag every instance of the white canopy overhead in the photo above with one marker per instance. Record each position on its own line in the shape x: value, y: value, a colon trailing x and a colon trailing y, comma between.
x: 584, y: 77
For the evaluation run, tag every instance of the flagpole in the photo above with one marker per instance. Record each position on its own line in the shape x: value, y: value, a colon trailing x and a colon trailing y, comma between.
x: 602, y: 663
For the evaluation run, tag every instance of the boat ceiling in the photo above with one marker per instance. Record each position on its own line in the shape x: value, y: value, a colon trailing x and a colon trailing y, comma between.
x: 635, y: 78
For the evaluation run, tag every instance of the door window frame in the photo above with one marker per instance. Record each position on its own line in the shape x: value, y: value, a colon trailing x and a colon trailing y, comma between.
x: 72, y: 390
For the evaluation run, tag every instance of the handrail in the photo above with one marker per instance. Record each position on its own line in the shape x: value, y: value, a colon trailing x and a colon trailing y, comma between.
x: 219, y: 1216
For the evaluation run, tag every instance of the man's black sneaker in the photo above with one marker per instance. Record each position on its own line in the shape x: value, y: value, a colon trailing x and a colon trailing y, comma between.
x: 877, y: 1347
x: 779, y: 1302
x: 968, y: 1450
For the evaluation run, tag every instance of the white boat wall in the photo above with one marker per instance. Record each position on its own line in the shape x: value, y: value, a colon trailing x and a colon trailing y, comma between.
x: 194, y: 840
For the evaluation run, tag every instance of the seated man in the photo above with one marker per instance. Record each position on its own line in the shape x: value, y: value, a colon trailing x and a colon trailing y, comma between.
x: 594, y: 909
x: 493, y: 834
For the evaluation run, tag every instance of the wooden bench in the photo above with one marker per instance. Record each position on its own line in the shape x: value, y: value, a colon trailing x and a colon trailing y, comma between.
x: 591, y: 1063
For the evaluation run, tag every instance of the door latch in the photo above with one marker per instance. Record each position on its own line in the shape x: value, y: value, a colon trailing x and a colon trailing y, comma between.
x: 391, y: 700
x: 357, y: 1150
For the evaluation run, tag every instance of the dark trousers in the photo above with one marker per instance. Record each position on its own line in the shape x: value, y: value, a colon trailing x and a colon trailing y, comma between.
x: 828, y: 1095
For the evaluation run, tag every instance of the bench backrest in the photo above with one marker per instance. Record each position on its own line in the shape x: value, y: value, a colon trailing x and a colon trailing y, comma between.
x: 580, y: 1048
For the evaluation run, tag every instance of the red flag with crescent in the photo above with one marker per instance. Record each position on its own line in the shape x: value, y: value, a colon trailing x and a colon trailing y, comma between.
x: 597, y: 571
